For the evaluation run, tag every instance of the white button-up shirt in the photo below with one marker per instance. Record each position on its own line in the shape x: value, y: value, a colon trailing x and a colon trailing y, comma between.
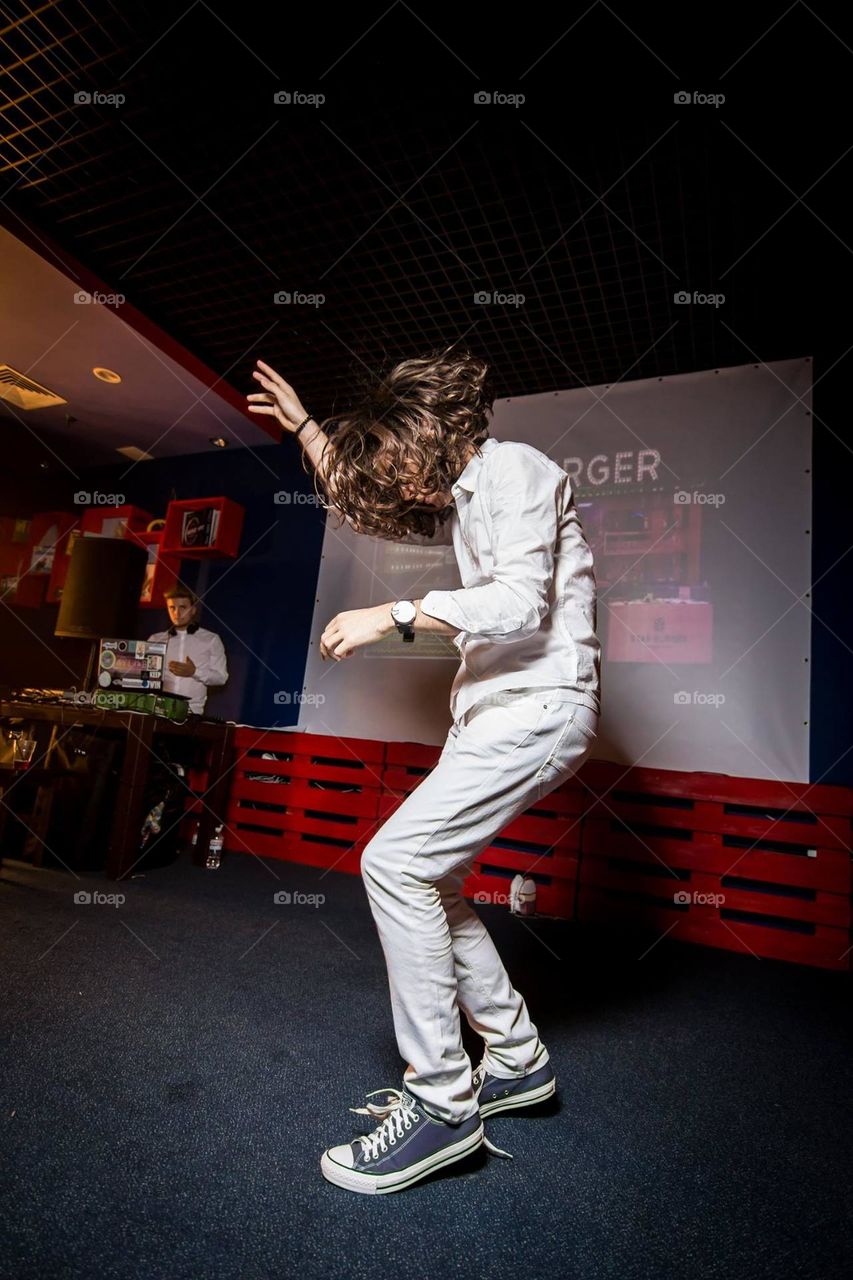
x: 207, y: 652
x: 527, y: 609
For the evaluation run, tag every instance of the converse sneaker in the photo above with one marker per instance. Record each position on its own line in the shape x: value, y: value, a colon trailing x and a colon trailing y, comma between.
x: 408, y: 1145
x: 497, y: 1094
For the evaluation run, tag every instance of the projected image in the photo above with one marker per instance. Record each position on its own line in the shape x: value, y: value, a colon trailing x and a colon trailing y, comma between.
x: 646, y: 539
x: 407, y: 571
x: 694, y: 492
x: 646, y: 544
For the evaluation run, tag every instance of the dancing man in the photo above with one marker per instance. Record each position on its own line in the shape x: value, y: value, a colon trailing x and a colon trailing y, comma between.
x: 415, y: 461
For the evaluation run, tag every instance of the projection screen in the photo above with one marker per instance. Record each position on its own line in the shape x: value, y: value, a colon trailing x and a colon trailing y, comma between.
x: 695, y: 494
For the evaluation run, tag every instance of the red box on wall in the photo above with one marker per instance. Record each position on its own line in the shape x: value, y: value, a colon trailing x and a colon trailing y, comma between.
x: 134, y: 519
x: 203, y: 528
x: 48, y: 533
x: 59, y: 572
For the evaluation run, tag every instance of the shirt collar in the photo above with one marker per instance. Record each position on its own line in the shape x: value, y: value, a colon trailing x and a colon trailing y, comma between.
x: 468, y: 477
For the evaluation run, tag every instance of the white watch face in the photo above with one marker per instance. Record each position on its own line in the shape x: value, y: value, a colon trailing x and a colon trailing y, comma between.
x: 404, y: 611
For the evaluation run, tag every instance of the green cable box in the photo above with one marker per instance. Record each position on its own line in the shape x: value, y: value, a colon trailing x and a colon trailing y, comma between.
x: 167, y: 705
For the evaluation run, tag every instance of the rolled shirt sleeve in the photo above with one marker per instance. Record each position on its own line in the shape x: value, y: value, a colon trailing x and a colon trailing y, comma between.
x: 214, y: 669
x: 524, y: 500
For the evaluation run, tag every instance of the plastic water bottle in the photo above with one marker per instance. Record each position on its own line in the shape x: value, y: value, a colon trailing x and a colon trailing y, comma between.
x: 214, y: 853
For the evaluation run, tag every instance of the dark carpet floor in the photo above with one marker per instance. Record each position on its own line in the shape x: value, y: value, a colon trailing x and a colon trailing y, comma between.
x: 173, y: 1067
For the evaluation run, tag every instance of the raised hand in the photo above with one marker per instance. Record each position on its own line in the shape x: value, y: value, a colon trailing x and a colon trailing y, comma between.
x: 278, y: 398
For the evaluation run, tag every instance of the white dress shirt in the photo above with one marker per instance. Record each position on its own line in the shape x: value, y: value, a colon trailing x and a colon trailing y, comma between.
x: 206, y: 650
x: 527, y: 610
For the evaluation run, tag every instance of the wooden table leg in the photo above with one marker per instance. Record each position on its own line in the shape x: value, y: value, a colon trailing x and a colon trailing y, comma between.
x: 127, y: 824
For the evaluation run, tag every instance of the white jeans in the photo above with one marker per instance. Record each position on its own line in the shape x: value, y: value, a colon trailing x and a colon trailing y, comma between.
x: 501, y: 756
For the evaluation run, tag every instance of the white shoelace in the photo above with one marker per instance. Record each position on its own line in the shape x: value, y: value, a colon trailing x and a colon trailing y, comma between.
x: 396, y: 1115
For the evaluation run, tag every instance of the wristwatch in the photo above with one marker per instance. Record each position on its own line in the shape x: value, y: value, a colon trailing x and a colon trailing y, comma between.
x: 404, y: 613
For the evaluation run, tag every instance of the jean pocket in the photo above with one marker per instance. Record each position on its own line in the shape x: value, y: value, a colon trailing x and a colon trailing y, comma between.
x: 498, y: 726
x: 573, y: 744
x: 586, y: 722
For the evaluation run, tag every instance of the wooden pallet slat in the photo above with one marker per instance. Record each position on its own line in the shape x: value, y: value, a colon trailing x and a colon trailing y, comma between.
x: 613, y: 844
x: 602, y: 776
x: 823, y: 946
x: 655, y: 883
x: 778, y: 861
x: 411, y: 753
x: 292, y: 742
x: 342, y: 827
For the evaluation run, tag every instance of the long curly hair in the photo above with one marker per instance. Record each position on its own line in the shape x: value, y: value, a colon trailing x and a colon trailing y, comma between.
x: 413, y: 426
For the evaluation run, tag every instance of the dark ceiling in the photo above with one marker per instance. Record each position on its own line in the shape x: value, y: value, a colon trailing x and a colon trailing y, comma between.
x: 400, y: 198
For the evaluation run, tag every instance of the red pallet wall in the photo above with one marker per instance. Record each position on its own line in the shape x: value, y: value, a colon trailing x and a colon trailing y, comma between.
x: 323, y: 802
x: 744, y: 864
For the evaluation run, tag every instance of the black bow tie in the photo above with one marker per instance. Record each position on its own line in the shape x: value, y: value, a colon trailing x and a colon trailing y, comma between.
x: 193, y: 626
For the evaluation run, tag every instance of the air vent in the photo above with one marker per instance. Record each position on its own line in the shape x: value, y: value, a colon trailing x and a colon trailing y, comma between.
x: 23, y: 392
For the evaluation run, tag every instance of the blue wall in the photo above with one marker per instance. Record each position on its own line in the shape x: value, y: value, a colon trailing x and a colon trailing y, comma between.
x: 832, y: 618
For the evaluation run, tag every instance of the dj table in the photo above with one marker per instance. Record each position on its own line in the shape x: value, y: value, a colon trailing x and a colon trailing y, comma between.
x: 140, y: 734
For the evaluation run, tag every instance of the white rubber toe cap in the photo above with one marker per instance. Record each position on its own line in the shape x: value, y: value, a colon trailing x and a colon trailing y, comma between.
x: 342, y: 1155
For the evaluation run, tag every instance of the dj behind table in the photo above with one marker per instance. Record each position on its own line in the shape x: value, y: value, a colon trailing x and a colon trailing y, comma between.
x: 99, y: 777
x: 100, y: 780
